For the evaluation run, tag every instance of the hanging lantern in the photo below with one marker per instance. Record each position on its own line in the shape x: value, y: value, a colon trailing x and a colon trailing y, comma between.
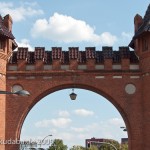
x: 73, y: 95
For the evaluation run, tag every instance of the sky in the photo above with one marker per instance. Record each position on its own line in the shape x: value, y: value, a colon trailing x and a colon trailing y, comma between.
x: 73, y: 23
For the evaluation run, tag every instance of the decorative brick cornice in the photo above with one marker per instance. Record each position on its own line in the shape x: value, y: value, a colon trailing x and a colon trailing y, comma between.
x: 73, y: 53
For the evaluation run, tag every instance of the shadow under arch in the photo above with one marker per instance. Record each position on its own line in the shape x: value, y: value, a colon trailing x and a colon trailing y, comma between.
x: 77, y: 86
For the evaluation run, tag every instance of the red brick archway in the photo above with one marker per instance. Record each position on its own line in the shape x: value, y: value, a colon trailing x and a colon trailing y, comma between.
x: 122, y: 101
x: 123, y: 77
x: 50, y: 91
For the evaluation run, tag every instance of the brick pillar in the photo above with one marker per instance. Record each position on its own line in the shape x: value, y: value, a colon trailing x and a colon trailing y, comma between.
x: 108, y: 64
x: 39, y: 65
x: 144, y: 58
x: 145, y: 66
x: 22, y: 55
x: 8, y: 38
x: 56, y: 57
x: 91, y: 64
x: 39, y: 57
x: 146, y: 111
x: 90, y: 56
x: 108, y: 55
x: 56, y: 64
x: 125, y: 57
x: 21, y: 65
x: 2, y: 100
x: 73, y: 64
x: 125, y: 64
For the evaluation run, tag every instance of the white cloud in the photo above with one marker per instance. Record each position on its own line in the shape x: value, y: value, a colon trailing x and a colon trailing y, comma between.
x: 78, y: 129
x: 107, y: 38
x: 62, y: 28
x: 116, y: 121
x: 107, y: 129
x: 65, y: 136
x: 124, y: 38
x: 19, y: 13
x: 30, y: 3
x: 72, y: 134
x: 83, y: 112
x: 59, y: 122
x: 43, y: 123
x: 25, y: 43
x: 64, y: 113
x: 126, y: 35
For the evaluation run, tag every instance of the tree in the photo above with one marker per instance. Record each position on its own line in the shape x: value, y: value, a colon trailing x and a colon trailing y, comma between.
x: 124, y: 146
x: 108, y: 146
x: 28, y: 145
x: 57, y: 145
x: 78, y: 147
x: 93, y: 147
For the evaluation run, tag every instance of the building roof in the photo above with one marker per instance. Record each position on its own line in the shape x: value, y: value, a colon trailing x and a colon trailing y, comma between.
x: 145, y: 27
x: 4, y: 32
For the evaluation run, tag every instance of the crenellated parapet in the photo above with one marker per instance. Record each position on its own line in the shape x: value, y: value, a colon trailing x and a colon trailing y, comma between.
x: 73, y: 53
x: 73, y: 59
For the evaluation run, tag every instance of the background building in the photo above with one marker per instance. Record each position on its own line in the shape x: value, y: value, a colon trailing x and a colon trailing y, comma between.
x: 124, y: 140
x: 97, y: 142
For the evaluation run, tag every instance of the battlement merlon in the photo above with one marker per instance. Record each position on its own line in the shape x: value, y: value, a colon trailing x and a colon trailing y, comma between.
x: 72, y: 59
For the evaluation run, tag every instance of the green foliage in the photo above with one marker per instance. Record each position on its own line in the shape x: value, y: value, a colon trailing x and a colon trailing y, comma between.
x: 93, y: 147
x: 124, y: 146
x: 115, y: 144
x: 78, y: 148
x: 107, y: 145
x: 27, y: 145
x: 57, y: 145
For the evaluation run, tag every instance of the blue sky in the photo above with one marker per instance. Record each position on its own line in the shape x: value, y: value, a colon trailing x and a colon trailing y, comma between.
x: 80, y: 23
x: 89, y: 116
x: 73, y: 23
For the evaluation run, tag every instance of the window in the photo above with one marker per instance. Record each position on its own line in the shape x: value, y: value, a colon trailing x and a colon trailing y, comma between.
x: 145, y: 44
x: 1, y: 44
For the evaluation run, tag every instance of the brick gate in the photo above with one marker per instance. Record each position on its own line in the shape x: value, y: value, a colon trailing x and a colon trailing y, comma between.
x: 122, y: 76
